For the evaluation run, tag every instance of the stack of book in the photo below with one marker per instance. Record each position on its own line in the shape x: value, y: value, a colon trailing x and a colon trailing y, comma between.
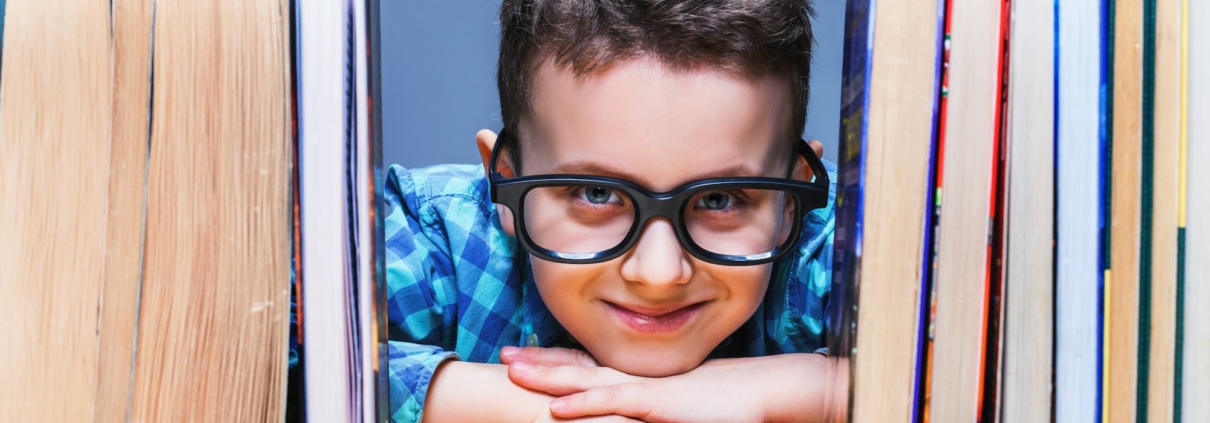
x: 174, y: 178
x: 1023, y: 231
x: 145, y: 166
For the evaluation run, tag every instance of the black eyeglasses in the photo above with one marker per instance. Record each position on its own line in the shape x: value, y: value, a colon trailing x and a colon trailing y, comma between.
x: 569, y: 218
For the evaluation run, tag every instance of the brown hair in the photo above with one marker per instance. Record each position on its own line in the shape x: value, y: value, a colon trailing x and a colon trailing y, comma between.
x: 749, y: 38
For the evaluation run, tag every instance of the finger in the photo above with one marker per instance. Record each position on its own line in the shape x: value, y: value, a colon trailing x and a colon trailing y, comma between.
x: 817, y: 146
x: 547, y: 356
x: 598, y: 419
x: 627, y: 399
x: 546, y: 417
x: 564, y: 380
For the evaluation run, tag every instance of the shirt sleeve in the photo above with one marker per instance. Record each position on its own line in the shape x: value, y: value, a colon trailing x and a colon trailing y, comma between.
x: 420, y: 307
x: 411, y: 371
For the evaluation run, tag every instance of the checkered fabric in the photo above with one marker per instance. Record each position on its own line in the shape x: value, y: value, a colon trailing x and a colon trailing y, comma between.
x: 459, y: 287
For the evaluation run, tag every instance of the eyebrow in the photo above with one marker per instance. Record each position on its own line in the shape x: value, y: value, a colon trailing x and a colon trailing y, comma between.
x: 590, y: 168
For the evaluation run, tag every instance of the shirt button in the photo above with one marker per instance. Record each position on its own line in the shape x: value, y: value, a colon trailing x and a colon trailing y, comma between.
x: 531, y: 340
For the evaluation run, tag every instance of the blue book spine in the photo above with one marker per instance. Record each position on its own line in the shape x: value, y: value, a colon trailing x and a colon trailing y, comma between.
x: 1106, y: 186
x: 855, y: 100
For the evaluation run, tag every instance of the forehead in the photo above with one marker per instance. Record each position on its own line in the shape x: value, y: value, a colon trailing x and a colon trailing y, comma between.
x: 656, y: 126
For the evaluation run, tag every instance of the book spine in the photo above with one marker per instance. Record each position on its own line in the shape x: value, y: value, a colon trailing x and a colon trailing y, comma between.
x: 858, y: 44
x: 1182, y: 201
x: 932, y: 207
x: 1123, y: 289
x: 378, y: 210
x: 1146, y: 206
x: 925, y: 385
x: 1106, y: 206
x: 1078, y: 172
x: 1195, y: 356
x: 994, y: 297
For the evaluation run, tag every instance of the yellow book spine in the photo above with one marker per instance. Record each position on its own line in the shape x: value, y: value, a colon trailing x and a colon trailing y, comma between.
x: 1184, y: 140
x: 1105, y: 351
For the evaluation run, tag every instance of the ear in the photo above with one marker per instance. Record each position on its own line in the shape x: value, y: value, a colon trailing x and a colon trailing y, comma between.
x: 802, y: 171
x: 486, y: 141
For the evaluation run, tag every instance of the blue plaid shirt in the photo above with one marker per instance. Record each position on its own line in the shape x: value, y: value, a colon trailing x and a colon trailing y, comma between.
x: 459, y: 287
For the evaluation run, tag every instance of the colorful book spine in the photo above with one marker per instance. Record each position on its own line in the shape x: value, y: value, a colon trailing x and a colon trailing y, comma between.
x: 932, y: 208
x: 994, y: 295
x: 929, y: 303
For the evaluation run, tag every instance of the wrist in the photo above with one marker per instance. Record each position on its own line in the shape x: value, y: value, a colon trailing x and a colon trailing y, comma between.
x: 462, y: 391
x: 796, y: 389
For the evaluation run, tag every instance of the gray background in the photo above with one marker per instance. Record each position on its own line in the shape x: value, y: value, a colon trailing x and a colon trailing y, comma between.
x: 439, y: 78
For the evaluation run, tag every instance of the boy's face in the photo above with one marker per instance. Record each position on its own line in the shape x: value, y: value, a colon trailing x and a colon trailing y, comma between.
x: 656, y: 310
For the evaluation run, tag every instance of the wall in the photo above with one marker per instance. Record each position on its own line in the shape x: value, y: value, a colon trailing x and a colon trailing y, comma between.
x: 439, y: 78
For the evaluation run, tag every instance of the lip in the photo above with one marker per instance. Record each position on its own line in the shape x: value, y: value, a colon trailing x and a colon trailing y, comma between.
x: 655, y: 320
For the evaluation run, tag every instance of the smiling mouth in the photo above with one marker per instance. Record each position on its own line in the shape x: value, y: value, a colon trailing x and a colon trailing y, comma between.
x: 664, y: 320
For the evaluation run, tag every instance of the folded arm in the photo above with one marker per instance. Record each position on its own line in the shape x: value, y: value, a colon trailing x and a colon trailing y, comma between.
x: 475, y: 392
x: 778, y: 388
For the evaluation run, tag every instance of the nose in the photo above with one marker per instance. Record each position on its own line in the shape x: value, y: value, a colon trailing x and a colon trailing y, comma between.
x: 657, y: 260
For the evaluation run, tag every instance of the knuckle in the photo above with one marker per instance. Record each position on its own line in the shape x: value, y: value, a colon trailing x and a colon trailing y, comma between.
x: 584, y: 359
x: 609, y: 394
x: 531, y: 353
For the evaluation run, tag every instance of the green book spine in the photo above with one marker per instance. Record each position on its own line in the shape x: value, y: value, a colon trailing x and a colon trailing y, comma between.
x: 1178, y: 365
x: 1146, y: 209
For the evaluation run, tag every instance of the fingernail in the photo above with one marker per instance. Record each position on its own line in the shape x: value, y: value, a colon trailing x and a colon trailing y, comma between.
x: 522, y: 367
x: 509, y: 351
x: 557, y: 405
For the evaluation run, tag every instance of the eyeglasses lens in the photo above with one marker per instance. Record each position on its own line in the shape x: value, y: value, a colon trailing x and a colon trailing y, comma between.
x: 577, y: 219
x: 739, y: 222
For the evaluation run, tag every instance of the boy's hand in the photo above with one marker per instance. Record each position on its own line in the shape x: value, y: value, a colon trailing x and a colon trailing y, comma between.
x: 788, y: 387
x: 546, y: 417
x: 547, y: 356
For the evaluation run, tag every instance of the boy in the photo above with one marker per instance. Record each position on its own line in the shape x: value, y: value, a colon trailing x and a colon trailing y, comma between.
x: 660, y: 244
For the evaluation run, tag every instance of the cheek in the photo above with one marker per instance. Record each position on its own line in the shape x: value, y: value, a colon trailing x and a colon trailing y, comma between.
x: 566, y: 288
x: 746, y: 284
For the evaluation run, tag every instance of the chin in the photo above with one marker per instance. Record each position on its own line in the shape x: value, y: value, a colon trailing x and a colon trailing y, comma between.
x: 647, y: 363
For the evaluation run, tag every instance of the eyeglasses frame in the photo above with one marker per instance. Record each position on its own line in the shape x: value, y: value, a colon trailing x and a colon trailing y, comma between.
x: 510, y: 192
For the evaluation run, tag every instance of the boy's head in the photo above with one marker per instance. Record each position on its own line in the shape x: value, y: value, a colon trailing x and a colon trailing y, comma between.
x: 661, y: 94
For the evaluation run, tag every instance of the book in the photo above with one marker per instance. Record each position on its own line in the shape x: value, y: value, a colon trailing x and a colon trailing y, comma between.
x: 340, y: 235
x: 1182, y: 206
x: 1195, y: 339
x: 55, y: 127
x: 324, y: 132
x: 993, y: 346
x: 1078, y: 196
x: 1030, y: 173
x: 888, y: 103
x: 1122, y: 280
x: 216, y: 272
x: 146, y: 241
x: 132, y: 34
x: 928, y: 312
x: 1164, y: 55
x: 965, y: 233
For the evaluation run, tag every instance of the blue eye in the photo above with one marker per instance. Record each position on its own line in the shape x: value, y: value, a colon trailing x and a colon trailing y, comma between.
x: 714, y: 201
x: 599, y: 195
